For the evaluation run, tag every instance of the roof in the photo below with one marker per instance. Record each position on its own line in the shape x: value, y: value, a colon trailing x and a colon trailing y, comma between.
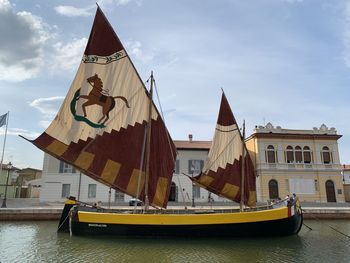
x: 346, y: 167
x: 296, y: 136
x: 31, y: 169
x: 6, y: 166
x: 269, y: 131
x: 192, y: 145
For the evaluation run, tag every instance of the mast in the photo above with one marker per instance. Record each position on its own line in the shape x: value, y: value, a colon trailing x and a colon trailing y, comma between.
x: 241, y: 204
x: 148, y: 144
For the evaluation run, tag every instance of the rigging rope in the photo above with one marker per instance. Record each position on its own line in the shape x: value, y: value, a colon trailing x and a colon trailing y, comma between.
x: 333, y: 228
x: 172, y: 154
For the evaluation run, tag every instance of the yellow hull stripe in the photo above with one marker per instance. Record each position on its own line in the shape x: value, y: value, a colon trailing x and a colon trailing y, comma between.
x: 184, y: 219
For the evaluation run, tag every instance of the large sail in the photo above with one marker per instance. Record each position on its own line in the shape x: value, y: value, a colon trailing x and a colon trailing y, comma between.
x: 222, y: 172
x: 101, y: 125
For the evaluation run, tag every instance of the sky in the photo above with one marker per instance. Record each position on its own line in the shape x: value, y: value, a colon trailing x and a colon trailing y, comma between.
x: 286, y: 62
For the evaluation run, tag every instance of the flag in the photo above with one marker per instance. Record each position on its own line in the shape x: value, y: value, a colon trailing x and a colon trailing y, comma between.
x: 3, y: 120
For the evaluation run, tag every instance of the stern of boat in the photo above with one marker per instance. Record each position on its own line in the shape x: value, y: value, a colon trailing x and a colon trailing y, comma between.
x: 63, y: 225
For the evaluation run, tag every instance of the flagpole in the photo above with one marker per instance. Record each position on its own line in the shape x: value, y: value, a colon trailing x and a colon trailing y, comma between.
x: 3, y: 147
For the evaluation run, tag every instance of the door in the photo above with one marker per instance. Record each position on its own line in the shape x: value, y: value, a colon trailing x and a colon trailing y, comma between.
x: 273, y: 189
x: 172, y: 195
x: 330, y: 191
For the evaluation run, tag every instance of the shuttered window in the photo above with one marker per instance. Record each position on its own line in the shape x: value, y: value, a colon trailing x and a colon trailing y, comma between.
x: 307, y: 154
x: 270, y: 154
x: 92, y: 191
x: 65, y: 190
x: 195, y: 166
x: 289, y: 154
x: 298, y: 154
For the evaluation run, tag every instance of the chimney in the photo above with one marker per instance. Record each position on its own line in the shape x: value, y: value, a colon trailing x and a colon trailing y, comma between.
x: 190, y: 137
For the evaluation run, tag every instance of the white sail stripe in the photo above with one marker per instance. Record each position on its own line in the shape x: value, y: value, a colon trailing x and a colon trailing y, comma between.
x: 120, y: 78
x: 226, y: 148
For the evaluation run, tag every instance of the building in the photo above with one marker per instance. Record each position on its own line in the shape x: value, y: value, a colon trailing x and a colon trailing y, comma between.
x: 305, y: 162
x: 28, y: 183
x: 346, y: 180
x: 8, y: 179
x: 61, y: 180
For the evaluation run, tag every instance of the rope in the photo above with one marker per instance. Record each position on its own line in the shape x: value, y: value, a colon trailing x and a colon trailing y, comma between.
x: 169, y: 141
x: 59, y: 227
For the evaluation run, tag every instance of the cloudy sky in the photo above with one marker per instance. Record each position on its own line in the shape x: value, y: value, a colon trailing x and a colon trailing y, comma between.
x: 281, y: 61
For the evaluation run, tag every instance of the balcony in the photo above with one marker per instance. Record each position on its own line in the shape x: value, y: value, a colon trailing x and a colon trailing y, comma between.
x: 298, y: 166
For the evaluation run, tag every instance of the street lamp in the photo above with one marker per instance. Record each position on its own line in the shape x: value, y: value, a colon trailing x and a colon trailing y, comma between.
x: 9, y: 167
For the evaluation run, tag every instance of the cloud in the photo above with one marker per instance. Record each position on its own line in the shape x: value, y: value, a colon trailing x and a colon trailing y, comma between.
x: 115, y: 2
x: 134, y: 49
x: 19, y: 131
x: 21, y: 45
x: 68, y: 56
x: 72, y: 11
x: 47, y: 106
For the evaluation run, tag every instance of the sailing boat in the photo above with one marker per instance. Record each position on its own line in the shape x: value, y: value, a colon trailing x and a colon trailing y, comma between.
x: 109, y: 128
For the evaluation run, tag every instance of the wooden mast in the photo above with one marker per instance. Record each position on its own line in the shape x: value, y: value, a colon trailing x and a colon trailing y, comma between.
x: 241, y: 204
x: 148, y: 142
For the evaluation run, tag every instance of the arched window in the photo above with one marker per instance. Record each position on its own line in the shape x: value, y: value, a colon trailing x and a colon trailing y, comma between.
x: 326, y: 155
x: 298, y: 154
x: 307, y: 154
x: 270, y: 154
x: 273, y: 189
x: 289, y: 154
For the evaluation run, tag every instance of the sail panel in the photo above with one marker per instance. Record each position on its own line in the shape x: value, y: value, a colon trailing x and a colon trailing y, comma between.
x: 222, y: 172
x: 101, y: 125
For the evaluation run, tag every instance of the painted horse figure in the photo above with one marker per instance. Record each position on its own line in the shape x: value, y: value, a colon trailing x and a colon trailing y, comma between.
x: 96, y: 97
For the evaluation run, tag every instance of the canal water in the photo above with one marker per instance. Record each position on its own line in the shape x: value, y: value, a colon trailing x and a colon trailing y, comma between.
x: 38, y: 242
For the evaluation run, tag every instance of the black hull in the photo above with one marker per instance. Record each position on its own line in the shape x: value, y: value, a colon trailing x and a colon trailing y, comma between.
x: 281, y: 227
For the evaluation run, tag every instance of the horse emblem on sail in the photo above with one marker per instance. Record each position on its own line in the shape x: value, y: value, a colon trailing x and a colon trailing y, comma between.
x: 97, y: 96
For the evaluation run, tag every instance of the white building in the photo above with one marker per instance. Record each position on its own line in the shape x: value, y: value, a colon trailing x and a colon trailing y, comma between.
x: 60, y: 180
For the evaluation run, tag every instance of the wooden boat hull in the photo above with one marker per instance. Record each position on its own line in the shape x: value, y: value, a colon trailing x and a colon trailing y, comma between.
x: 272, y: 222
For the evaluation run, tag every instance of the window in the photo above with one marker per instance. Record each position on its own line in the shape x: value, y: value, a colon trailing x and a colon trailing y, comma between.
x: 298, y: 154
x: 326, y: 155
x: 270, y: 154
x: 196, y: 191
x: 118, y: 196
x: 289, y: 154
x: 65, y: 190
x: 307, y: 154
x: 195, y: 166
x: 92, y: 191
x: 177, y: 167
x: 66, y: 168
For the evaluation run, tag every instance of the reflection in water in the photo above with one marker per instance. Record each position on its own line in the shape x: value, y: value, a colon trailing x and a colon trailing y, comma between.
x: 39, y: 242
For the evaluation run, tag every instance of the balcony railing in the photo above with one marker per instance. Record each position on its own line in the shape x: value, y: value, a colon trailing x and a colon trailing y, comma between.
x: 298, y: 166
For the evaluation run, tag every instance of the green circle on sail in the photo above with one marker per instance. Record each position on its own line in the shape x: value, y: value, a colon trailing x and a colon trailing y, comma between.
x: 79, y: 117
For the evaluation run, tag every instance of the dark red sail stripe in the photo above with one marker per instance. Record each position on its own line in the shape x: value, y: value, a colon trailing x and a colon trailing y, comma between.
x: 103, y: 41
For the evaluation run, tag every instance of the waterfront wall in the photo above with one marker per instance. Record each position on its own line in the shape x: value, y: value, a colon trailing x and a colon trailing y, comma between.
x: 22, y: 214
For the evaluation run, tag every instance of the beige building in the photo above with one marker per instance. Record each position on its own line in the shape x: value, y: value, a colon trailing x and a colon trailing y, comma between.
x: 346, y: 180
x: 305, y: 162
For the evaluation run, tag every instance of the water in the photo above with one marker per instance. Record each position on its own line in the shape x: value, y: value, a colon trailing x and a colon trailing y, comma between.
x: 39, y: 242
